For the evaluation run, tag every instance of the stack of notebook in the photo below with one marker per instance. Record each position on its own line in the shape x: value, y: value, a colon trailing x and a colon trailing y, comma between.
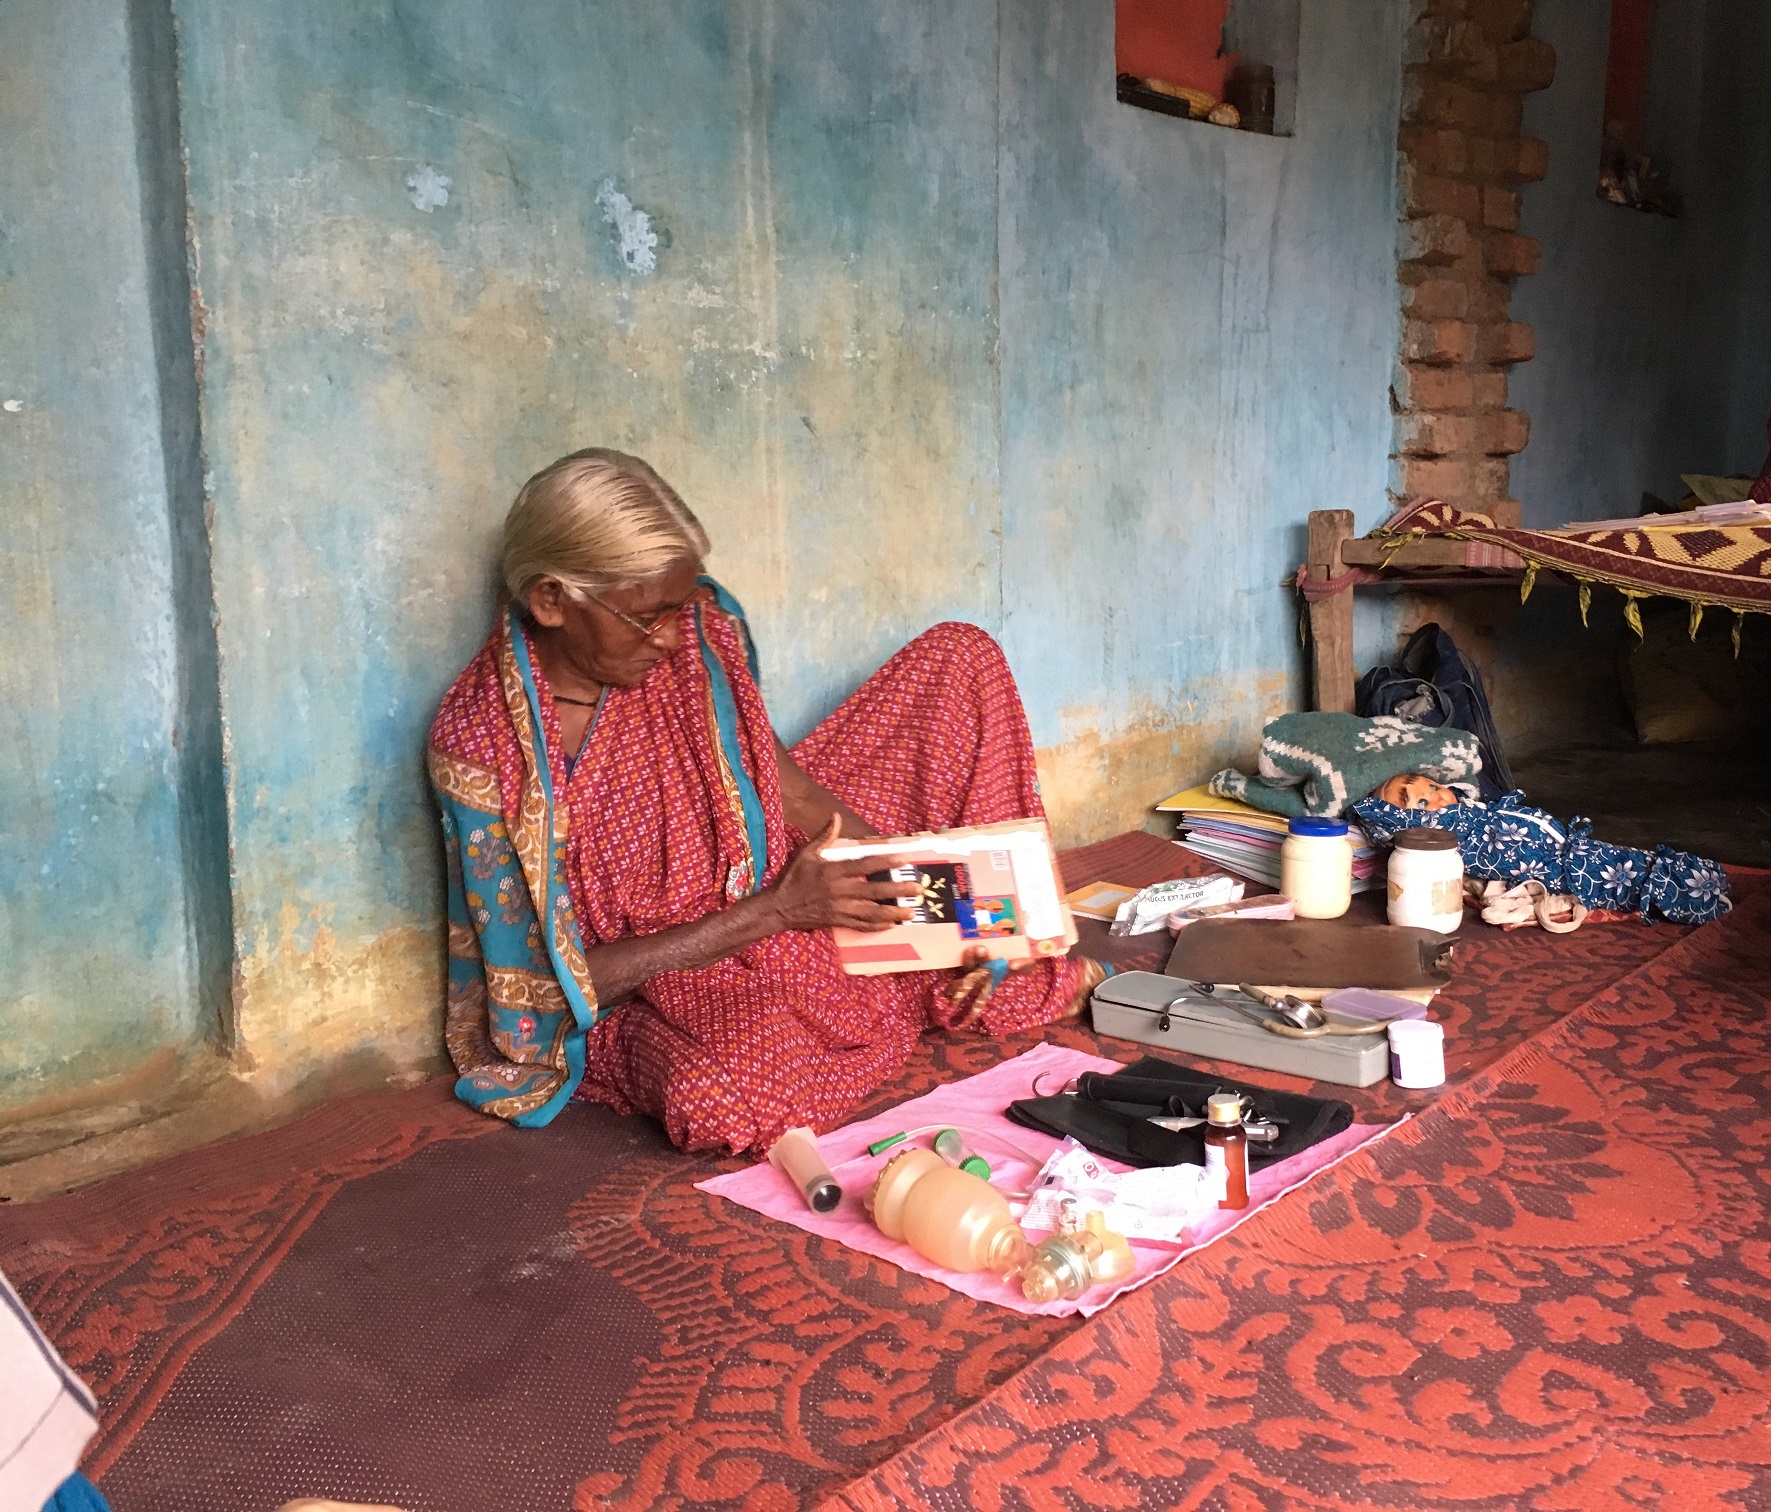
x: 1246, y: 840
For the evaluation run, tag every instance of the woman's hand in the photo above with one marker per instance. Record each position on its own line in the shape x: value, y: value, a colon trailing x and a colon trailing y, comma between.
x: 812, y: 893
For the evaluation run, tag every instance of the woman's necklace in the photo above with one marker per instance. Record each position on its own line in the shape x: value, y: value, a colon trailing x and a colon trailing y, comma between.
x: 578, y: 703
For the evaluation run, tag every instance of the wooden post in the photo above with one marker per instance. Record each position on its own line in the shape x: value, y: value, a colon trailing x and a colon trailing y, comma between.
x: 1331, y: 619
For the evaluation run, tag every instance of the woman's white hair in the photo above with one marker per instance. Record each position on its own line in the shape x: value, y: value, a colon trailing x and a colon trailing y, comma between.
x: 597, y: 520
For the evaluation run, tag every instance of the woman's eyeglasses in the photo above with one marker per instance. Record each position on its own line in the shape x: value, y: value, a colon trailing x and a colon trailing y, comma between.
x: 647, y: 631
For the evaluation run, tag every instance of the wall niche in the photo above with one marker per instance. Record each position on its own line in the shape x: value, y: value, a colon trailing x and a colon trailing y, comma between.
x: 1226, y: 63
x: 1649, y: 71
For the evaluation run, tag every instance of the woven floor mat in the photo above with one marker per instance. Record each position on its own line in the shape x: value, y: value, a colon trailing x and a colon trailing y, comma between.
x: 1552, y: 1291
x: 395, y: 1300
x: 131, y: 1276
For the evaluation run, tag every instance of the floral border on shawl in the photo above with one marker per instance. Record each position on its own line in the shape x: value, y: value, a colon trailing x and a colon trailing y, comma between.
x: 520, y: 997
x: 736, y: 787
x: 742, y: 877
x: 536, y: 824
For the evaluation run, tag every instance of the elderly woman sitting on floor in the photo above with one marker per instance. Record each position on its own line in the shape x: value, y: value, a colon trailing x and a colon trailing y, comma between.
x: 637, y: 915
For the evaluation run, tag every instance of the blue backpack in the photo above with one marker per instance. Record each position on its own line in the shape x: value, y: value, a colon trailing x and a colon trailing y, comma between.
x: 1433, y: 685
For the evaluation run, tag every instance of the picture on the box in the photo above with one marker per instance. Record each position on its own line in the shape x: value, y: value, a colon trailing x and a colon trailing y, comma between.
x: 934, y: 891
x: 986, y: 918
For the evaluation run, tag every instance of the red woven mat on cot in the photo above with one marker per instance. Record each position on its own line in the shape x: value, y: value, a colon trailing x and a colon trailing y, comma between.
x: 1722, y: 566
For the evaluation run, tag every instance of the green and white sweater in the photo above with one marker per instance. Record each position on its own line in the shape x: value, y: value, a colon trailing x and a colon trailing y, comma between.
x: 1319, y: 763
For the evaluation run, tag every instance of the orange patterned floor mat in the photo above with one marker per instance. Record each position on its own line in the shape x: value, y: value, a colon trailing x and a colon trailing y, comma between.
x: 1551, y: 1291
x: 347, y: 1306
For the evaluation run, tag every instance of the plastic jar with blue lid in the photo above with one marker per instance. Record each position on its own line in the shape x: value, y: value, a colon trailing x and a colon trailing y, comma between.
x: 1316, y: 867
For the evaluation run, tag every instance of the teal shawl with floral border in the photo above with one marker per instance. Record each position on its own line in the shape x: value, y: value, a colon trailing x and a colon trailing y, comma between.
x: 520, y: 995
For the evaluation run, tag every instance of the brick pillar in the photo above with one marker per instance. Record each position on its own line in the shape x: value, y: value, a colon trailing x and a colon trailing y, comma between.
x: 1467, y: 68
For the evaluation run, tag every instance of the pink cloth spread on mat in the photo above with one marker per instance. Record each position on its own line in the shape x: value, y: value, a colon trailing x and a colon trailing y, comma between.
x: 978, y: 1102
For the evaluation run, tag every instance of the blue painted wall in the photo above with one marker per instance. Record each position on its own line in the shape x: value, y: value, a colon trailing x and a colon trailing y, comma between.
x: 919, y: 319
x: 1653, y: 334
x: 113, y: 879
x: 1198, y: 332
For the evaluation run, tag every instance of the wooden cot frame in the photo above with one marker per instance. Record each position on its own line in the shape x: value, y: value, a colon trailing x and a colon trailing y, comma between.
x: 1331, y: 549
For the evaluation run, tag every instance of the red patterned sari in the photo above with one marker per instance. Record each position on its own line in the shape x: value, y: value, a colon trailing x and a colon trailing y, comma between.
x: 671, y: 810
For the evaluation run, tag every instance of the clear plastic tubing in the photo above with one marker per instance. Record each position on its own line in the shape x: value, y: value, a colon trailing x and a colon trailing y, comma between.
x: 1316, y: 868
x: 972, y: 1133
x: 951, y: 1146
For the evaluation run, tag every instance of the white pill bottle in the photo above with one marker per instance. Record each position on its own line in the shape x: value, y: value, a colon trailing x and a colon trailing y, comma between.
x: 1426, y: 880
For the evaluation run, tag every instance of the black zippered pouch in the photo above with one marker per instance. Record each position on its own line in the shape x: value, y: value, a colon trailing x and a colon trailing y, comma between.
x: 1110, y: 1115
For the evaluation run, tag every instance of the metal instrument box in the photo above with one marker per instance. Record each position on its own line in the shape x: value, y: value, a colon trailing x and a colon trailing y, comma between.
x: 1157, y: 1010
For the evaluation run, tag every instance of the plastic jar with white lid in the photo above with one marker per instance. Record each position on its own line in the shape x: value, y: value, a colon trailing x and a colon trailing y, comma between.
x: 1426, y: 882
x: 1316, y: 868
x: 1417, y: 1053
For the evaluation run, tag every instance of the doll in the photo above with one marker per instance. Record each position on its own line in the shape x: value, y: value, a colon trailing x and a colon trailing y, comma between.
x: 1410, y: 790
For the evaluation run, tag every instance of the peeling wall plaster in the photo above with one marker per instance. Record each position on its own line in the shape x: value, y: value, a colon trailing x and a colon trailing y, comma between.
x: 428, y: 187
x: 636, y: 243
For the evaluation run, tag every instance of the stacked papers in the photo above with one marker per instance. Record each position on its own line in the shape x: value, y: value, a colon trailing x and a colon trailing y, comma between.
x: 1740, y: 512
x: 1246, y: 840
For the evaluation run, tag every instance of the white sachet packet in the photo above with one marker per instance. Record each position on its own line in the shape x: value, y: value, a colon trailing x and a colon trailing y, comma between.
x: 1149, y: 909
x: 1159, y: 1203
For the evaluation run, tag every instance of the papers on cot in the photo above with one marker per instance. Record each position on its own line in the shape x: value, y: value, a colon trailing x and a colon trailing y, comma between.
x: 1246, y: 840
x: 1704, y: 517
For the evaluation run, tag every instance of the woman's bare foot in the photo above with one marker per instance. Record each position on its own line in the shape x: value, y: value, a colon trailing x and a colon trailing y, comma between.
x: 1093, y: 974
x: 982, y: 976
